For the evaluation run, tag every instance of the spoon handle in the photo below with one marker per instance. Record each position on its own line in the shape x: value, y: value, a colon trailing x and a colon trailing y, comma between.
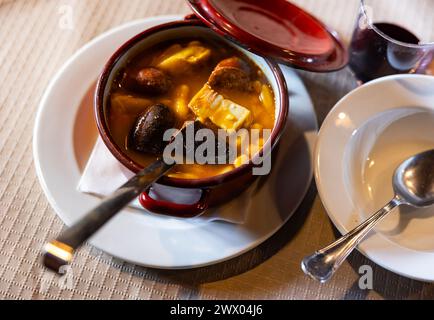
x: 59, y: 252
x: 323, y: 264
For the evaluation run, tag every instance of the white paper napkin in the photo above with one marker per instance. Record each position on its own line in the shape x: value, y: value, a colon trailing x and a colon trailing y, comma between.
x: 104, y: 174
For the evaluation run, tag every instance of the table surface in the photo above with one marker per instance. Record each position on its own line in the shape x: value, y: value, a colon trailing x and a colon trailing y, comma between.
x: 33, y: 47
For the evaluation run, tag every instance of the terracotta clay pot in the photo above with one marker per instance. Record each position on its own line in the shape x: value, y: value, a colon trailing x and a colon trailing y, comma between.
x: 207, y: 192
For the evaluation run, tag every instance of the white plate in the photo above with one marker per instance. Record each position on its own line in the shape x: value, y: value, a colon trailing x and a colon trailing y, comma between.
x: 151, y: 240
x: 364, y: 138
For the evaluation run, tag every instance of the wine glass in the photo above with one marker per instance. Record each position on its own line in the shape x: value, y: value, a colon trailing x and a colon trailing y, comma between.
x: 392, y: 37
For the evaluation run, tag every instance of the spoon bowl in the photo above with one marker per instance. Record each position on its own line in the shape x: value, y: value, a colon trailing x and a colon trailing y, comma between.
x: 413, y: 181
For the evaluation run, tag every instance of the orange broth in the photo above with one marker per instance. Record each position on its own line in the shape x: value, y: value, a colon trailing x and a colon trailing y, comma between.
x: 122, y: 119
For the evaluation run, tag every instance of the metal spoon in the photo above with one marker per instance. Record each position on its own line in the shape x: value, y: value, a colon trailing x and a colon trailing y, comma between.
x: 413, y: 183
x: 59, y: 252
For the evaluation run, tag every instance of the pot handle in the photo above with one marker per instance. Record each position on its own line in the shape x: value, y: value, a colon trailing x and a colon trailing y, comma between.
x: 175, y: 209
x: 191, y: 16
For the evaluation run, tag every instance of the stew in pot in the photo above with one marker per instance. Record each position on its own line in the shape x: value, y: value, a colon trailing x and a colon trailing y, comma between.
x: 182, y: 80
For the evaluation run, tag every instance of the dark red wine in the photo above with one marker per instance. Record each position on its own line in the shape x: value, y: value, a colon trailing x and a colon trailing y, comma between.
x: 372, y: 55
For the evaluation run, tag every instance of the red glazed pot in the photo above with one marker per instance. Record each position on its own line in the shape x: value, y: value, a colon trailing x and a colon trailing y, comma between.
x: 207, y: 192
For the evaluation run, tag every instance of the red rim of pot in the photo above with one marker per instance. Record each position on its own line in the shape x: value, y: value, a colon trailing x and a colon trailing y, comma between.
x: 168, y: 181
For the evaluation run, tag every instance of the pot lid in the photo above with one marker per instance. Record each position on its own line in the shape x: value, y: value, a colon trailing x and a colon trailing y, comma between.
x: 277, y: 29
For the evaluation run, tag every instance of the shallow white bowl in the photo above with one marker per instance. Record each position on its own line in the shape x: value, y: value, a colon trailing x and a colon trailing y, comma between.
x: 364, y: 138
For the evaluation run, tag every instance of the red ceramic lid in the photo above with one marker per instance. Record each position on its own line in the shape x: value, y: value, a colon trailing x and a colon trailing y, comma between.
x: 276, y: 29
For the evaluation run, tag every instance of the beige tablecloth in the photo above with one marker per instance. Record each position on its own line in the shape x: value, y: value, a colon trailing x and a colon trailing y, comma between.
x: 32, y: 48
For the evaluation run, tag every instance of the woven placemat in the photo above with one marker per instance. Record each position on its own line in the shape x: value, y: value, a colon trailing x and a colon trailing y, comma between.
x: 34, y: 43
